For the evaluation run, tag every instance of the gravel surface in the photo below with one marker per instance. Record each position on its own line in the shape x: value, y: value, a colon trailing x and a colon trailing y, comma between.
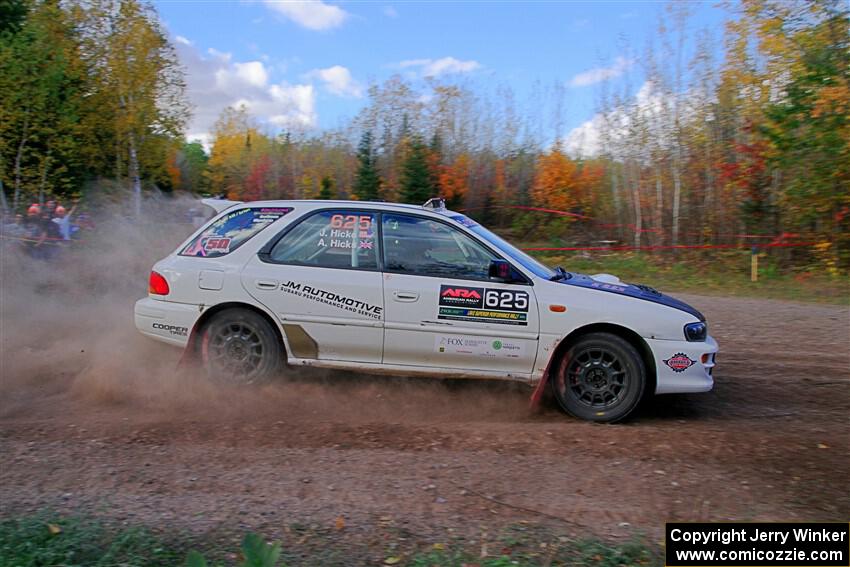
x: 96, y: 419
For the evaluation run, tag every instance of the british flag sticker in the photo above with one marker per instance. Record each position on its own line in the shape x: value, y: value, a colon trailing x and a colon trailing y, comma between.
x: 679, y: 362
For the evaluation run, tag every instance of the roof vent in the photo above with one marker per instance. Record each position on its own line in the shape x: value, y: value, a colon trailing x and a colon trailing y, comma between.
x: 435, y: 203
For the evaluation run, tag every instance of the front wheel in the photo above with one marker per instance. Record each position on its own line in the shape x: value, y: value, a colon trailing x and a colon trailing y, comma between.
x: 600, y: 378
x: 240, y: 347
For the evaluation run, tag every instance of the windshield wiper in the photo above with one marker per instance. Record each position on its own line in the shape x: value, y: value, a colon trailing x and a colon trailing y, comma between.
x: 560, y: 274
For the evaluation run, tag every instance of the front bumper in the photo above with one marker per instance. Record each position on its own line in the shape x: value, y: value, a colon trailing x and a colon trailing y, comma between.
x: 166, y: 321
x: 683, y: 367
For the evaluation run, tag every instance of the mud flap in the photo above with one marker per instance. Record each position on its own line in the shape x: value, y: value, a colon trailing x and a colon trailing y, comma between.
x: 537, y: 394
x: 189, y: 357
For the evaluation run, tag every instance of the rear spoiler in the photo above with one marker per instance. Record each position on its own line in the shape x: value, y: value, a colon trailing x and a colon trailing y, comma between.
x: 220, y: 204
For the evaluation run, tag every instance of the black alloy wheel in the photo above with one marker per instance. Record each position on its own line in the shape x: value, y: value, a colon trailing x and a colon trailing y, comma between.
x: 240, y: 347
x: 600, y: 378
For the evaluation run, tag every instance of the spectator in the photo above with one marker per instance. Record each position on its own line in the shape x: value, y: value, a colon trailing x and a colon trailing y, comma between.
x: 32, y: 221
x: 63, y: 221
x: 16, y: 228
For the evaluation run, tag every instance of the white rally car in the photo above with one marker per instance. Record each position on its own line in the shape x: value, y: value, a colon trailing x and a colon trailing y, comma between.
x: 415, y: 290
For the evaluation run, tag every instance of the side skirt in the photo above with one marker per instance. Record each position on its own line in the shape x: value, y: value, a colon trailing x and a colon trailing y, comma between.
x: 420, y: 371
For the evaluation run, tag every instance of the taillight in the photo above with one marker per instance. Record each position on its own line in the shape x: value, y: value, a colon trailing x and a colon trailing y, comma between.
x: 158, y: 284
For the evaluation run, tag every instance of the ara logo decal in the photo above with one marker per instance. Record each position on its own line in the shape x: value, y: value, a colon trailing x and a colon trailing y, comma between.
x: 461, y: 292
x: 459, y: 296
x: 679, y: 362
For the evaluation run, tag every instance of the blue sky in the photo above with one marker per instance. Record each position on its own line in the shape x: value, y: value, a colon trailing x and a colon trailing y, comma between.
x: 307, y: 63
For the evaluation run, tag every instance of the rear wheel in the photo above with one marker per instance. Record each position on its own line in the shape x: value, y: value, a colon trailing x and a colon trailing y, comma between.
x: 240, y: 347
x: 600, y: 378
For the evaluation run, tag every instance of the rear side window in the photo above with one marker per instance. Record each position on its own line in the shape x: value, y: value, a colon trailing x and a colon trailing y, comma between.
x: 331, y: 239
x: 232, y: 231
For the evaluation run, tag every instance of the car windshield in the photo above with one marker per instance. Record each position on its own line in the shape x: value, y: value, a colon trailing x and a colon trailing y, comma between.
x: 526, y: 261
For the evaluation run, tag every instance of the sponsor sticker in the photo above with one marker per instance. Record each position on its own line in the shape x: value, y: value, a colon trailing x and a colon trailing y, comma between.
x: 679, y: 362
x: 333, y: 299
x: 348, y: 231
x: 483, y: 305
x: 478, y: 346
x: 171, y: 329
x: 216, y: 244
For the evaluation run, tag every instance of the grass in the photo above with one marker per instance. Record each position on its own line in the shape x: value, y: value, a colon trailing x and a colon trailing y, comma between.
x: 724, y: 272
x: 46, y: 540
x: 70, y: 541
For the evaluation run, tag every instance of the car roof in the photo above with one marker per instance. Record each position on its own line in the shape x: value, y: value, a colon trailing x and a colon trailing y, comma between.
x: 220, y: 205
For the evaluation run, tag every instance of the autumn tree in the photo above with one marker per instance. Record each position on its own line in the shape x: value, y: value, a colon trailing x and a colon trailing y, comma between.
x: 140, y: 92
x: 237, y: 145
x: 454, y: 181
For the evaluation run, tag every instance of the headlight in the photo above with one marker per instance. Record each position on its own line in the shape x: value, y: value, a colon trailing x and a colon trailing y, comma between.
x: 696, y: 332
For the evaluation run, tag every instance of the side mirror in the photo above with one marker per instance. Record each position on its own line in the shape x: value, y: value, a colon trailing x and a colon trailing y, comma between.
x: 500, y: 270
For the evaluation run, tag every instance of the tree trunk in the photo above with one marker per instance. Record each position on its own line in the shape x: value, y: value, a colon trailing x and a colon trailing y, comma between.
x: 616, y: 196
x: 19, y: 156
x: 43, y: 182
x: 677, y: 197
x: 636, y: 199
x: 708, y: 203
x: 3, y: 200
x: 135, y: 178
x: 659, y: 207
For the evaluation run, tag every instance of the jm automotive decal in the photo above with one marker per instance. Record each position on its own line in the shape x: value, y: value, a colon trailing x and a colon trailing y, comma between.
x: 476, y: 346
x: 482, y: 305
x: 333, y: 299
x: 679, y: 362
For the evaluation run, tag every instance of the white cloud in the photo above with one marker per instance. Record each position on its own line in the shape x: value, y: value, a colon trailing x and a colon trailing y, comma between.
x: 253, y: 72
x: 297, y: 100
x: 390, y: 12
x: 338, y: 80
x: 181, y: 39
x: 311, y: 14
x: 215, y: 81
x: 652, y: 108
x: 444, y: 66
x: 600, y: 74
x: 583, y: 140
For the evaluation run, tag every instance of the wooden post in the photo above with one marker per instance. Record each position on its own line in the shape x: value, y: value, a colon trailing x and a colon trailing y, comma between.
x: 754, y: 264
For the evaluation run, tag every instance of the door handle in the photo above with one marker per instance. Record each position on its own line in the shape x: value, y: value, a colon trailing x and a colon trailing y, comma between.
x: 406, y: 296
x: 266, y: 284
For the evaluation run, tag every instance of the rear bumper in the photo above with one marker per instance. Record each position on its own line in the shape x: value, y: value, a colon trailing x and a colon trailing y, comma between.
x: 683, y: 367
x: 165, y: 321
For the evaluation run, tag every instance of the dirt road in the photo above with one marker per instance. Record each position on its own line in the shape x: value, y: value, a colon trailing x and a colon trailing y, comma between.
x: 96, y: 419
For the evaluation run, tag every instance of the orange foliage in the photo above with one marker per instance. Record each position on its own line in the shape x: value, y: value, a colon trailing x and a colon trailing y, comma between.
x: 173, y: 170
x: 454, y: 180
x: 563, y: 184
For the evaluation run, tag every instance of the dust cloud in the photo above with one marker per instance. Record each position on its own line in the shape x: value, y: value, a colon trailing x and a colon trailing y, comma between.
x: 67, y: 340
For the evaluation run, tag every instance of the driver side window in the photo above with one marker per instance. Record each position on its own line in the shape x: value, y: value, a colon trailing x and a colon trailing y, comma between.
x: 425, y: 247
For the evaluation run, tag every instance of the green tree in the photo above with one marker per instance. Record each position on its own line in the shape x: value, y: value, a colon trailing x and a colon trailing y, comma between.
x: 327, y: 191
x: 416, y: 184
x: 367, y: 181
x: 140, y: 88
x: 12, y: 15
x: 42, y: 83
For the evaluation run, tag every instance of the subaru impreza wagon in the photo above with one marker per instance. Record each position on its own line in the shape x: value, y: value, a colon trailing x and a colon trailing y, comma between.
x: 415, y: 290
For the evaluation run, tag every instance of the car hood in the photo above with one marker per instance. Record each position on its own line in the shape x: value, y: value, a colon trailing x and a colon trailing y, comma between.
x: 611, y: 284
